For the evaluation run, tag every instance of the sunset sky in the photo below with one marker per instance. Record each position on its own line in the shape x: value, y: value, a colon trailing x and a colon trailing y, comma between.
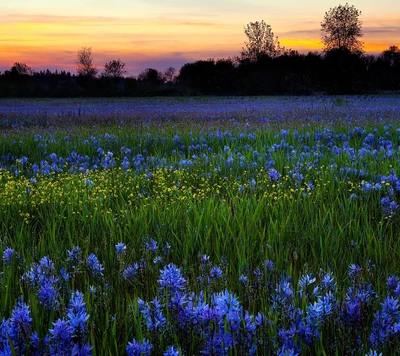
x: 164, y: 33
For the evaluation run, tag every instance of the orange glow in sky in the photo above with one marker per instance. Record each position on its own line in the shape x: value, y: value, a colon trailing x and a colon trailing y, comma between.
x: 152, y: 34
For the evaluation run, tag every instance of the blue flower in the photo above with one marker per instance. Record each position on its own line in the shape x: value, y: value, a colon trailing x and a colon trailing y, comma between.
x: 273, y: 174
x: 151, y: 245
x: 392, y: 283
x: 328, y: 282
x: 74, y: 254
x: 171, y: 351
x: 157, y: 260
x: 48, y: 295
x: 373, y: 353
x: 355, y: 271
x: 171, y: 279
x: 243, y: 279
x: 47, y: 265
x: 94, y: 265
x: 120, y: 248
x: 269, y: 265
x: 125, y: 164
x: 20, y: 326
x: 305, y: 281
x: 135, y: 348
x: 89, y: 183
x: 216, y: 272
x: 131, y: 271
x: 61, y: 338
x: 389, y: 207
x: 8, y: 254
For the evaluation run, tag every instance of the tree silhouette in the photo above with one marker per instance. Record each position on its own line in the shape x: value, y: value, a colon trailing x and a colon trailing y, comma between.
x: 21, y: 69
x: 343, y: 29
x: 261, y: 41
x: 84, y: 63
x: 392, y: 56
x: 150, y: 76
x: 114, y: 69
x: 169, y: 75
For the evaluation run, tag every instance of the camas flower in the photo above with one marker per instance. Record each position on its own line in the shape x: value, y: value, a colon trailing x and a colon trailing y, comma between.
x: 171, y: 279
x: 120, y: 248
x: 94, y: 265
x: 171, y: 351
x: 135, y: 348
x: 273, y: 174
x: 8, y: 254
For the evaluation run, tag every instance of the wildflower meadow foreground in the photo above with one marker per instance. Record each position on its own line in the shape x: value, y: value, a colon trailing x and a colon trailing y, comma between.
x: 223, y: 226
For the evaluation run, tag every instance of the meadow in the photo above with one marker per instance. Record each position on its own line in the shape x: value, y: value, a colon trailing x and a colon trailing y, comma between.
x: 212, y: 226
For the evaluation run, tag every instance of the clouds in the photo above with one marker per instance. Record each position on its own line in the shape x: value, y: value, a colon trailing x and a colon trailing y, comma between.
x: 162, y: 33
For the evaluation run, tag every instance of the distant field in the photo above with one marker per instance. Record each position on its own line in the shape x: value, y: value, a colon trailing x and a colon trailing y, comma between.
x: 252, y: 110
x: 210, y: 226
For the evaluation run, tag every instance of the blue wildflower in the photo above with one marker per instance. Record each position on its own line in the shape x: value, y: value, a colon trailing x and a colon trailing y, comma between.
x: 171, y: 351
x: 94, y: 265
x: 216, y: 272
x: 243, y: 279
x: 120, y: 248
x: 269, y: 265
x: 389, y: 207
x: 171, y: 279
x: 48, y: 295
x: 8, y: 254
x: 131, y: 271
x: 151, y: 245
x: 355, y: 271
x: 157, y: 260
x: 74, y: 254
x: 20, y: 326
x: 273, y: 174
x: 61, y: 338
x: 125, y: 164
x: 135, y: 348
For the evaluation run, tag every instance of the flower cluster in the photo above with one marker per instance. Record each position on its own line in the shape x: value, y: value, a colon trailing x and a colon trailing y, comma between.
x: 293, y: 321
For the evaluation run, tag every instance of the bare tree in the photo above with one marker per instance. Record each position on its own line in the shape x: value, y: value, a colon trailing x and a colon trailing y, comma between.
x: 261, y: 41
x: 343, y: 29
x: 169, y: 75
x: 114, y: 69
x: 84, y: 63
x: 21, y: 69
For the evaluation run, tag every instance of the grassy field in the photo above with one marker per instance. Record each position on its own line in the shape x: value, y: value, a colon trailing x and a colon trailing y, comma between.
x: 200, y: 226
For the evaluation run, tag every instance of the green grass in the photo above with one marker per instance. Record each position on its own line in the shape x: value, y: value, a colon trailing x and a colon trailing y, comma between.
x: 299, y: 229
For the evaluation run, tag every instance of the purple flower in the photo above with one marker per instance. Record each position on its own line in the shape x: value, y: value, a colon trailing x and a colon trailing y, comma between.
x: 171, y: 351
x: 389, y: 207
x: 151, y: 245
x: 131, y: 271
x: 135, y: 348
x: 20, y: 326
x: 125, y: 164
x: 61, y: 338
x: 273, y: 174
x: 47, y: 265
x: 171, y: 279
x: 216, y: 272
x: 269, y: 265
x: 355, y: 271
x: 8, y: 254
x: 74, y: 254
x: 94, y: 265
x: 48, y: 295
x: 120, y: 248
x: 243, y: 279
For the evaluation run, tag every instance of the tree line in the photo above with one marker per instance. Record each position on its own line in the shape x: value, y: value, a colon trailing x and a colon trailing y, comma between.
x: 263, y: 67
